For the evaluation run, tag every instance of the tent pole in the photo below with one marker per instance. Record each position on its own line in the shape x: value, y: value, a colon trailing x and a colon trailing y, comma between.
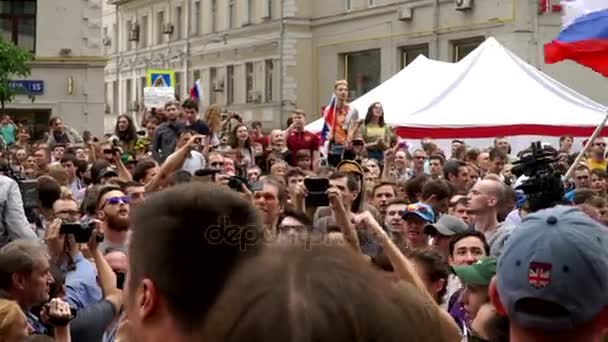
x: 586, y: 148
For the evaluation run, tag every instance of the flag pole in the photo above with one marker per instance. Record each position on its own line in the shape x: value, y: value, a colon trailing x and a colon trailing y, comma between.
x: 586, y: 148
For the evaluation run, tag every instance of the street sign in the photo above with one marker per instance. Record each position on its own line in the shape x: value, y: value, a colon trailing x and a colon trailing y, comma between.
x: 28, y: 86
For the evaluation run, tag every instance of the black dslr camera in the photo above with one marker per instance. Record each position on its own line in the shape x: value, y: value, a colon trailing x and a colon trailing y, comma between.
x: 82, y: 231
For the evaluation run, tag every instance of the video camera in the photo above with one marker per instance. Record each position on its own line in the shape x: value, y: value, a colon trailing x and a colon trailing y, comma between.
x: 543, y: 187
x: 82, y: 231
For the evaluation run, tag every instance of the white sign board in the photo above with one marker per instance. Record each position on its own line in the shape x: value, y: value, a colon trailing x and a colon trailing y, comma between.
x: 156, y: 97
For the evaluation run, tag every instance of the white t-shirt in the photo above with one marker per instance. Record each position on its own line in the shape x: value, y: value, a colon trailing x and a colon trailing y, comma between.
x: 194, y: 162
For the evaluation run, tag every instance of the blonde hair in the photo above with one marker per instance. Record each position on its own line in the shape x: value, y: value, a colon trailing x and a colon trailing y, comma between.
x: 10, y: 315
x: 213, y: 118
x: 59, y: 174
x: 340, y: 82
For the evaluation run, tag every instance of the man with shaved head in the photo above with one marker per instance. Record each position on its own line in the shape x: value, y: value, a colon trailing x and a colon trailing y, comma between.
x: 485, y: 199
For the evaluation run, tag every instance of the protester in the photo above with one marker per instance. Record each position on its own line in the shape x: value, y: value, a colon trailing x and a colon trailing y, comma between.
x: 552, y: 276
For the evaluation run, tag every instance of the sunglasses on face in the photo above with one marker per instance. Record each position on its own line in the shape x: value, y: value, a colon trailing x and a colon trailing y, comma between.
x: 600, y: 144
x: 217, y: 164
x: 118, y: 199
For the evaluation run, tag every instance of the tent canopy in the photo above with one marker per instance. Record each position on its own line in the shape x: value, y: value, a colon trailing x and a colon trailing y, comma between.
x: 497, y: 93
x: 491, y: 92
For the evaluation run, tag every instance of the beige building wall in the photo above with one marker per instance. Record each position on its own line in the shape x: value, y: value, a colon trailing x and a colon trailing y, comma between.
x: 69, y: 60
x: 310, y: 43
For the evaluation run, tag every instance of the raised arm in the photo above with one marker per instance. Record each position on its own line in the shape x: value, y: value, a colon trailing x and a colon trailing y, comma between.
x: 407, y: 272
x: 342, y: 218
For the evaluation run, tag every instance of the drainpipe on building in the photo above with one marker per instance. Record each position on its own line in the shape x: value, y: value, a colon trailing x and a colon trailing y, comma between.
x: 281, y: 45
x: 187, y: 52
x: 117, y: 104
x: 535, y: 33
x: 436, y: 30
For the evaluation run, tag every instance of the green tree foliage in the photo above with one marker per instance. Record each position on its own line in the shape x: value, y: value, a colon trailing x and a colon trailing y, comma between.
x: 14, y: 63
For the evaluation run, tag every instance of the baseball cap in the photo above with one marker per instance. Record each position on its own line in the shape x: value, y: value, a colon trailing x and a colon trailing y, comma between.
x: 423, y: 211
x: 107, y: 173
x: 447, y: 225
x: 558, y: 257
x: 479, y: 273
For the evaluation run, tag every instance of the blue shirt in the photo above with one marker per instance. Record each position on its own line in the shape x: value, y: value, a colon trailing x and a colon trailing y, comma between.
x: 81, y: 284
x: 8, y: 133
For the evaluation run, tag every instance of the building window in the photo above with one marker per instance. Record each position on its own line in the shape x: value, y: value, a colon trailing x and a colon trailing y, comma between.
x: 128, y: 92
x: 213, y: 15
x: 114, y: 37
x: 371, y: 3
x: 268, y: 10
x: 410, y: 53
x: 160, y: 22
x: 142, y: 85
x: 178, y: 86
x: 249, y: 12
x: 178, y: 23
x: 231, y: 14
x: 268, y: 80
x: 18, y: 23
x: 143, y: 32
x: 115, y: 97
x: 196, y: 75
x: 196, y: 21
x: 348, y: 5
x: 249, y: 81
x: 362, y: 71
x: 213, y: 85
x: 230, y: 84
x: 461, y: 48
x: 128, y: 31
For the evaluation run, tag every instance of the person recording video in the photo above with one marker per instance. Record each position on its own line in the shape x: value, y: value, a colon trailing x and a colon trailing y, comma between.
x: 13, y: 221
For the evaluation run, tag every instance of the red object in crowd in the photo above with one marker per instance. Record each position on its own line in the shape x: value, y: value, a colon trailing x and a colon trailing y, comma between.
x: 546, y: 6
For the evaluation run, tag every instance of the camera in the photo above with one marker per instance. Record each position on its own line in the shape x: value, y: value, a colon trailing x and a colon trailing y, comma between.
x: 543, y: 187
x: 81, y: 231
x: 317, y: 192
x: 235, y: 183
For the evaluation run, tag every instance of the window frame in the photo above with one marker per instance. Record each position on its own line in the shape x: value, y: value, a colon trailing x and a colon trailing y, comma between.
x: 467, y: 43
x: 15, y: 18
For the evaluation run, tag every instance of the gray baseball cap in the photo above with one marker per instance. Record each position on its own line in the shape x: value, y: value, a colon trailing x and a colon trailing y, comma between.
x: 447, y: 225
x: 558, y: 257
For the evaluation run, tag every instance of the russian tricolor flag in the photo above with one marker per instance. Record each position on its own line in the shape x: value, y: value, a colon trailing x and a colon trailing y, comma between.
x: 329, y: 114
x: 196, y: 91
x: 584, y: 37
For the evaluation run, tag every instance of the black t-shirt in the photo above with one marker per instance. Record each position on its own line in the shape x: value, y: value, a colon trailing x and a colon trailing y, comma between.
x: 200, y: 127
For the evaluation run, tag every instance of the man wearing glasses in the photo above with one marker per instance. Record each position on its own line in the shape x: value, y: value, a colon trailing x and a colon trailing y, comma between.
x: 81, y: 288
x: 113, y: 211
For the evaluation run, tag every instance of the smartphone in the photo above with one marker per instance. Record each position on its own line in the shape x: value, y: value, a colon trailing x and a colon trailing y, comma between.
x: 317, y: 192
x: 257, y: 186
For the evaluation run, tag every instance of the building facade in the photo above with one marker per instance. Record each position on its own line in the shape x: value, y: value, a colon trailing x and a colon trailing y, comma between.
x: 67, y: 71
x: 263, y: 58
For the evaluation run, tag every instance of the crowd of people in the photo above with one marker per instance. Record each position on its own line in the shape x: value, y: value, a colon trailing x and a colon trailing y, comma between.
x: 206, y: 228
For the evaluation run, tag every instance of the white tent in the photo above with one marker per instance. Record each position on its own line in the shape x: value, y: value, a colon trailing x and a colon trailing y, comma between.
x: 492, y: 92
x: 497, y: 93
x: 407, y: 91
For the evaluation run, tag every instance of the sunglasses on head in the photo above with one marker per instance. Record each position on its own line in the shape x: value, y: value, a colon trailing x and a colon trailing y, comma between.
x: 412, y: 208
x: 118, y: 199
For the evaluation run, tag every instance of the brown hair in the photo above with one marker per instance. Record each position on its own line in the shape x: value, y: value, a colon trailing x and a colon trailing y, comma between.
x: 187, y: 240
x: 307, y: 290
x: 213, y: 117
x: 340, y: 82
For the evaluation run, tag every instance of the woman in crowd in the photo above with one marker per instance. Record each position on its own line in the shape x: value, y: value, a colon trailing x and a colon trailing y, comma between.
x: 433, y: 270
x: 23, y: 137
x: 241, y: 142
x: 375, y: 132
x: 125, y: 133
x: 278, y: 144
x: 213, y: 118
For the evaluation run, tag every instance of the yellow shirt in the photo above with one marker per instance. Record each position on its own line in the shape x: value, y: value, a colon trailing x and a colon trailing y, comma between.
x: 374, y: 132
x: 592, y: 164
